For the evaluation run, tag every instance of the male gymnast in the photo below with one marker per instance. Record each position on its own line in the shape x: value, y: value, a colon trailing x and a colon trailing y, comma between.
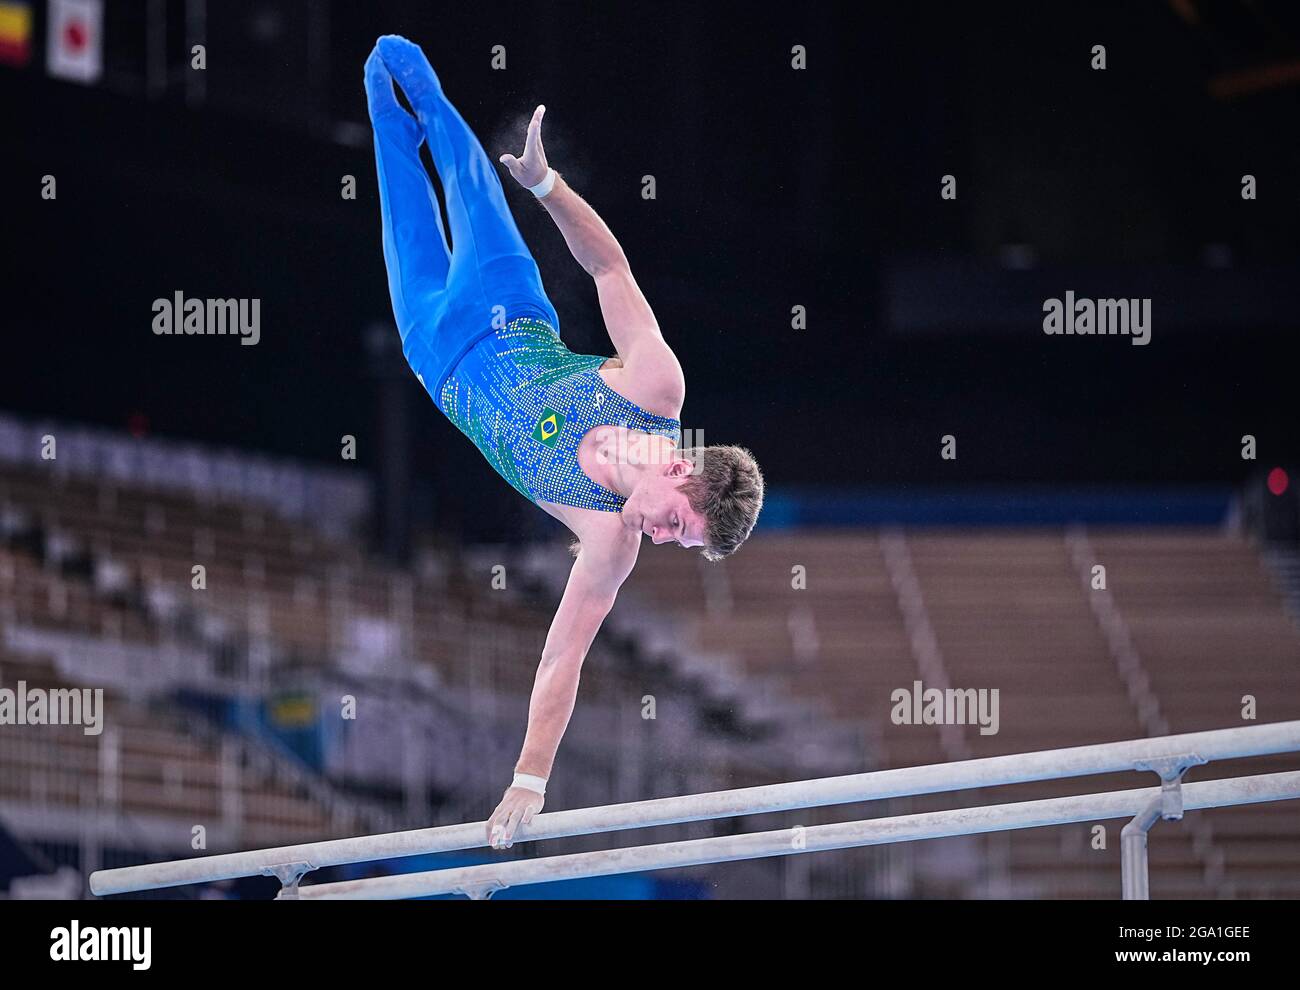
x: 593, y: 441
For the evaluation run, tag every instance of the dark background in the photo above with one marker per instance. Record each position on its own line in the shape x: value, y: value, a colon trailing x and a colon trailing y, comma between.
x: 775, y: 188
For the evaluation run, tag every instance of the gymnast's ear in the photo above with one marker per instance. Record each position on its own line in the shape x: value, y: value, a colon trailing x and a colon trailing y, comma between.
x: 679, y: 466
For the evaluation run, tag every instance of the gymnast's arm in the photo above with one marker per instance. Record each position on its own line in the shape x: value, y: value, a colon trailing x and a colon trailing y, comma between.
x: 594, y: 581
x: 628, y: 318
x: 589, y: 240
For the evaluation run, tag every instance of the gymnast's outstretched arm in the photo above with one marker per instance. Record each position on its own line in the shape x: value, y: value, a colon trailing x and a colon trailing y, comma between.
x: 628, y: 318
x: 591, y: 243
x: 594, y: 580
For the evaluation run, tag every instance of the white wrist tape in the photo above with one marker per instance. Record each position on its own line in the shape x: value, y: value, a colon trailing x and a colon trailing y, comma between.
x: 530, y: 782
x: 544, y: 187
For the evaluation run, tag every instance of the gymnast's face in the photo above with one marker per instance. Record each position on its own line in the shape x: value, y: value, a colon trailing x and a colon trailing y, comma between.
x: 660, y: 510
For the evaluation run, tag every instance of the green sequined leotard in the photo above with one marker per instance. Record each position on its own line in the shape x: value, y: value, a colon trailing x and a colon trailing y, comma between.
x: 526, y: 401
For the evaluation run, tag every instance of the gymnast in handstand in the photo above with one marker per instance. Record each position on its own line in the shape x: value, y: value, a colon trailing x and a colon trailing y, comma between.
x: 593, y: 441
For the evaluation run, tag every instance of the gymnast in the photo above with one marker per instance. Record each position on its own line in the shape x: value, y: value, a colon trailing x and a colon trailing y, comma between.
x: 593, y: 441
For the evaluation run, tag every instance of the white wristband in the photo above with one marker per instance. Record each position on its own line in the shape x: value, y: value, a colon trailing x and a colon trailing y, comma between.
x: 529, y: 782
x: 544, y: 187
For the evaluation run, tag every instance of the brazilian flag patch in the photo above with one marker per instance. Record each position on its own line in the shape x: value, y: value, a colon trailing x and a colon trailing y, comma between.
x: 547, y: 431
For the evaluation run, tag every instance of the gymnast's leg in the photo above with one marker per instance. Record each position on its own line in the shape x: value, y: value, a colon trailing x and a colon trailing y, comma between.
x: 490, y: 264
x: 415, y: 244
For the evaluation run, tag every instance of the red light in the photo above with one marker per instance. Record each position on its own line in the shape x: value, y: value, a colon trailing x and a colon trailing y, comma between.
x: 1277, y: 481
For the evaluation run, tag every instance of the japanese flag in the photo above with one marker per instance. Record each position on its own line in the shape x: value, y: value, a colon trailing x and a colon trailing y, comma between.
x: 75, y: 40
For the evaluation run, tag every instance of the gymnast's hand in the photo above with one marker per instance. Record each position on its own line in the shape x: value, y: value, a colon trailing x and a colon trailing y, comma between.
x: 517, y: 807
x: 531, y: 168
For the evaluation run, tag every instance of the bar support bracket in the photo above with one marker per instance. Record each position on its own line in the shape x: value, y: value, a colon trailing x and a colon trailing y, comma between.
x: 1135, y: 881
x: 481, y: 891
x: 288, y: 874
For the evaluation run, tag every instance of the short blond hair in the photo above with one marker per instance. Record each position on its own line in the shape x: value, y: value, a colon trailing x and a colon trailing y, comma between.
x: 725, y: 486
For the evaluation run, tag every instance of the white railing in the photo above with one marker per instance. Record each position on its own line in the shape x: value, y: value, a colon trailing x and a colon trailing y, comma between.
x: 1167, y: 756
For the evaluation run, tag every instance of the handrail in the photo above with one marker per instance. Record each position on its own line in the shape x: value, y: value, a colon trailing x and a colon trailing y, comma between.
x: 1167, y: 755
